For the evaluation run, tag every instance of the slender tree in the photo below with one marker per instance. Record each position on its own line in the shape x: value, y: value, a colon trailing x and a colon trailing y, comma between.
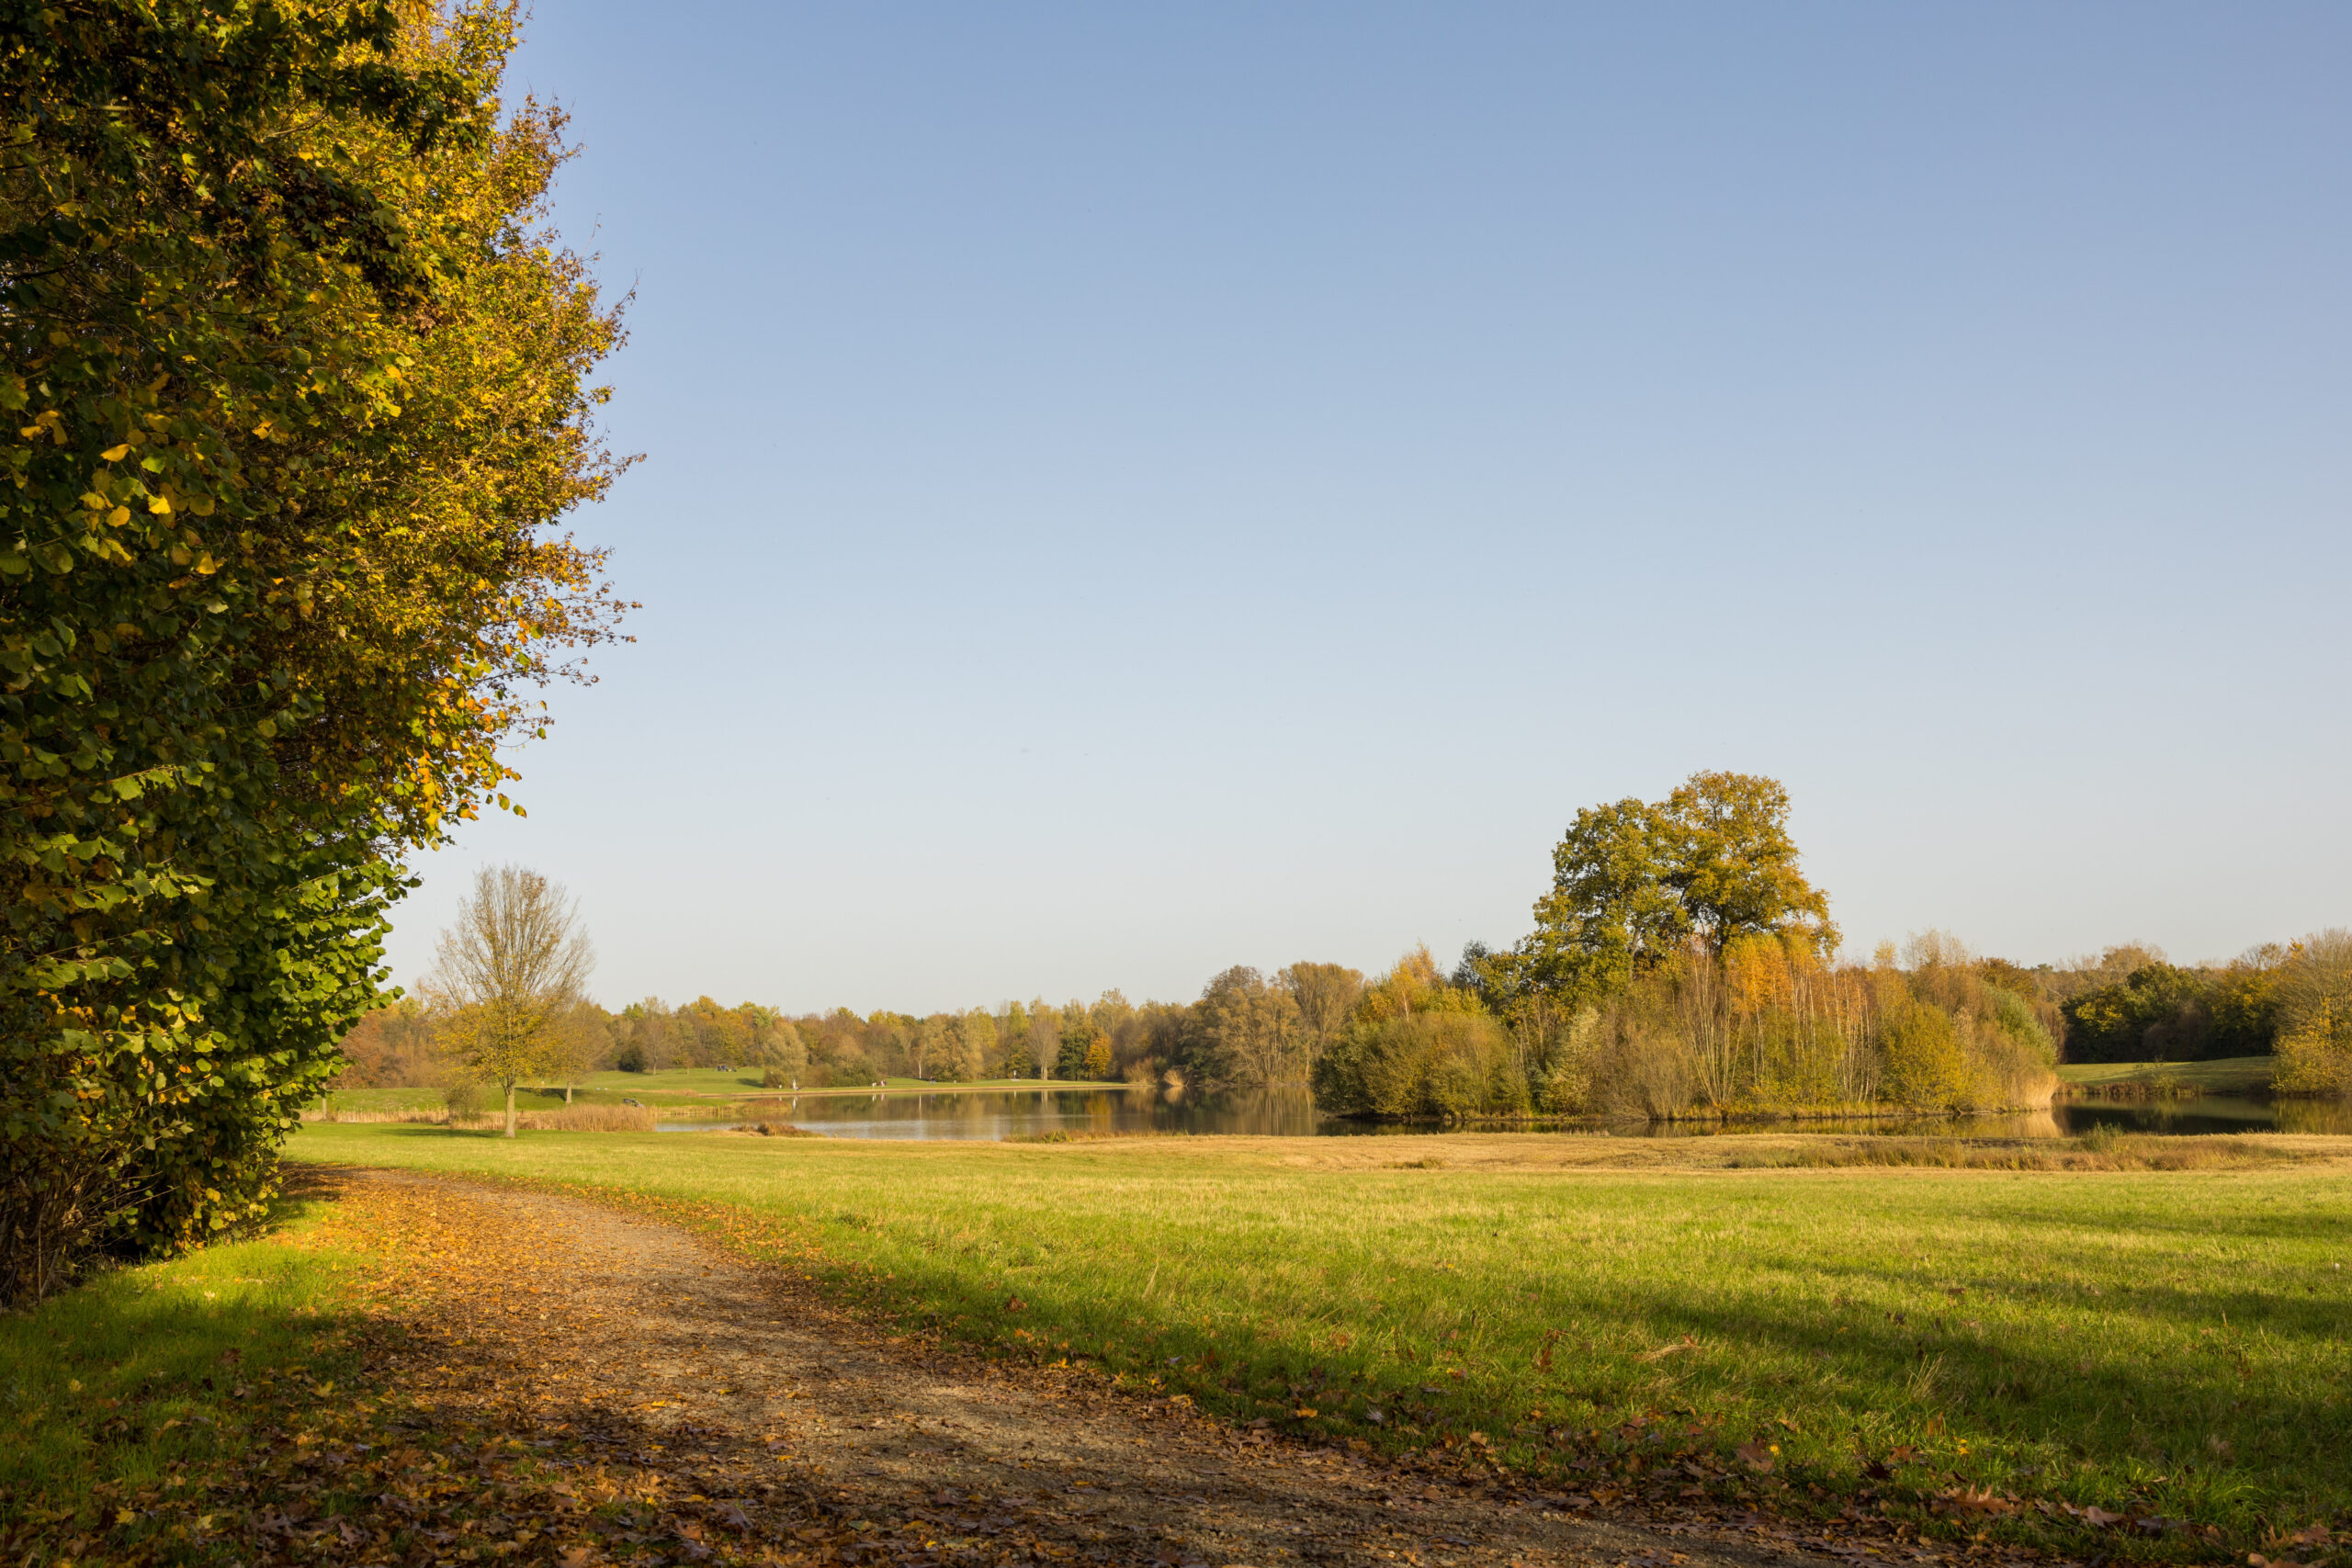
x: 516, y: 963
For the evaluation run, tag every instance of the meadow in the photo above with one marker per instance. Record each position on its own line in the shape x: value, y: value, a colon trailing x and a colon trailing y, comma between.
x: 2165, y: 1344
x: 2227, y: 1075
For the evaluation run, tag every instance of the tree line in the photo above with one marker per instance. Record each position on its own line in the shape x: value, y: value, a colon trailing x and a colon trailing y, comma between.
x: 1681, y: 964
x: 1246, y: 1029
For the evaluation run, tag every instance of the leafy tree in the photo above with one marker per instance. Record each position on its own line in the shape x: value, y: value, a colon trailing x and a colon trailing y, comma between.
x: 1017, y: 1061
x: 298, y: 390
x: 931, y: 1046
x: 1631, y: 879
x: 979, y: 1032
x: 786, y: 1052
x: 1045, y: 1028
x: 515, y: 962
x: 1246, y: 1031
x: 395, y: 1046
x: 1611, y: 912
x: 1074, y: 1033
x: 1925, y: 1065
x: 2315, y: 1017
x: 2157, y: 1013
x: 1732, y: 864
x: 1428, y: 1065
x: 2244, y: 1002
x: 575, y: 1044
x: 1414, y: 985
x: 1324, y: 994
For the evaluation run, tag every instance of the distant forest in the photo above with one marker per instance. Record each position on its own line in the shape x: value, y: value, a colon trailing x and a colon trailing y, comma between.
x: 1680, y: 963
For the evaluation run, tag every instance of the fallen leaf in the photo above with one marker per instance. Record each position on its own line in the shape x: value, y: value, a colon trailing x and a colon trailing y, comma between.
x: 1687, y: 1343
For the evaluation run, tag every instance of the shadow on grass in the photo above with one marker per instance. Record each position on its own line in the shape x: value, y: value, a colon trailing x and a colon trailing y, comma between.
x: 255, y: 1402
x: 141, y: 1374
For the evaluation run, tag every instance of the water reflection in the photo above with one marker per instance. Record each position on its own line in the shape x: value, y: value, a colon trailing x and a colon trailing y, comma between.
x: 1012, y: 1113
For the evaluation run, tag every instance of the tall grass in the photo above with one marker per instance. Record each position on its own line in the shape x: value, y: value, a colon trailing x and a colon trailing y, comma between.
x: 564, y: 1118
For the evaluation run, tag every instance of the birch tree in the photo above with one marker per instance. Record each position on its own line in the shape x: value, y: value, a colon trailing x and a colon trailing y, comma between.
x: 516, y: 963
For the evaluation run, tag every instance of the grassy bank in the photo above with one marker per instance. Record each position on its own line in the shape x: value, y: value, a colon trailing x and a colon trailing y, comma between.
x: 2161, y: 1344
x: 2230, y: 1075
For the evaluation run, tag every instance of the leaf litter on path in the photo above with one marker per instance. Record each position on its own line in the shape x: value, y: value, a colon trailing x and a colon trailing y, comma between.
x: 546, y: 1380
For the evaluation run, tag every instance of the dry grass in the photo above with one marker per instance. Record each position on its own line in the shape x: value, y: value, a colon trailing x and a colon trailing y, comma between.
x: 564, y: 1118
x: 584, y: 1119
x: 2093, y: 1152
x: 1536, y: 1152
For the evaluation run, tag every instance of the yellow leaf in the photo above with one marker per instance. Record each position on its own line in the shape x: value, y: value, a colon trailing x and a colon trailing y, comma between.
x: 118, y: 516
x: 160, y: 505
x: 115, y: 454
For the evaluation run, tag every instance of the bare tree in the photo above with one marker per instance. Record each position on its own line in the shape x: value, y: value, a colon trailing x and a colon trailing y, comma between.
x: 515, y: 963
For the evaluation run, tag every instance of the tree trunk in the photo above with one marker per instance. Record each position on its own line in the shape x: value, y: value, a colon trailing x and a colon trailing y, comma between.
x: 510, y: 1108
x: 567, y: 1093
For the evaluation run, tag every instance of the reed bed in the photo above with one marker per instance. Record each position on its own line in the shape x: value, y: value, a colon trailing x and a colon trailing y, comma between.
x: 564, y: 1119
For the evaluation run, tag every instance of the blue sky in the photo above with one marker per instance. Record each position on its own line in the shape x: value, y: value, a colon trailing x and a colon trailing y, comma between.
x: 1130, y: 491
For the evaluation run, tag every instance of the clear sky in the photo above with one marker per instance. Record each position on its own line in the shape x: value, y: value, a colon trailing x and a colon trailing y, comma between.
x: 1134, y: 490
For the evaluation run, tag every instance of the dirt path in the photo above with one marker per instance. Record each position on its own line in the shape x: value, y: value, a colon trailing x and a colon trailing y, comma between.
x: 777, y: 1429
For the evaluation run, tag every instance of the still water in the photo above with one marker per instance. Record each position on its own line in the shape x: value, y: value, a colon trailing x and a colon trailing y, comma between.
x: 1012, y: 1113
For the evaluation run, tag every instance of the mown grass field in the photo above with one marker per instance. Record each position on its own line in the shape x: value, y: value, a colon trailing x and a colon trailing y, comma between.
x: 2161, y: 1343
x: 2229, y: 1075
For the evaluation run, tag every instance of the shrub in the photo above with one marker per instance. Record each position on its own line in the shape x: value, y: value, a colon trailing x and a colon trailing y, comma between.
x: 1925, y: 1066
x: 1447, y: 1064
x: 266, y: 627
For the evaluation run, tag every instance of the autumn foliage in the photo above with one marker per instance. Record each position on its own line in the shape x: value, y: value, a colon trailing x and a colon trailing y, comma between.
x: 1683, y: 965
x: 297, y: 387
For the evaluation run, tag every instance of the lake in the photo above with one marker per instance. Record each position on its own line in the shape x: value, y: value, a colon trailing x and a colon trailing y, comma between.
x: 1290, y: 1112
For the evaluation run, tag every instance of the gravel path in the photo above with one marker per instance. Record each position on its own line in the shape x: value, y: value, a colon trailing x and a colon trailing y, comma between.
x: 740, y: 1371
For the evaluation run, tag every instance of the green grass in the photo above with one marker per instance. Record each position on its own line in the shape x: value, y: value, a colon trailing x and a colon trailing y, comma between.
x: 110, y: 1392
x: 2230, y: 1075
x: 2154, y: 1342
